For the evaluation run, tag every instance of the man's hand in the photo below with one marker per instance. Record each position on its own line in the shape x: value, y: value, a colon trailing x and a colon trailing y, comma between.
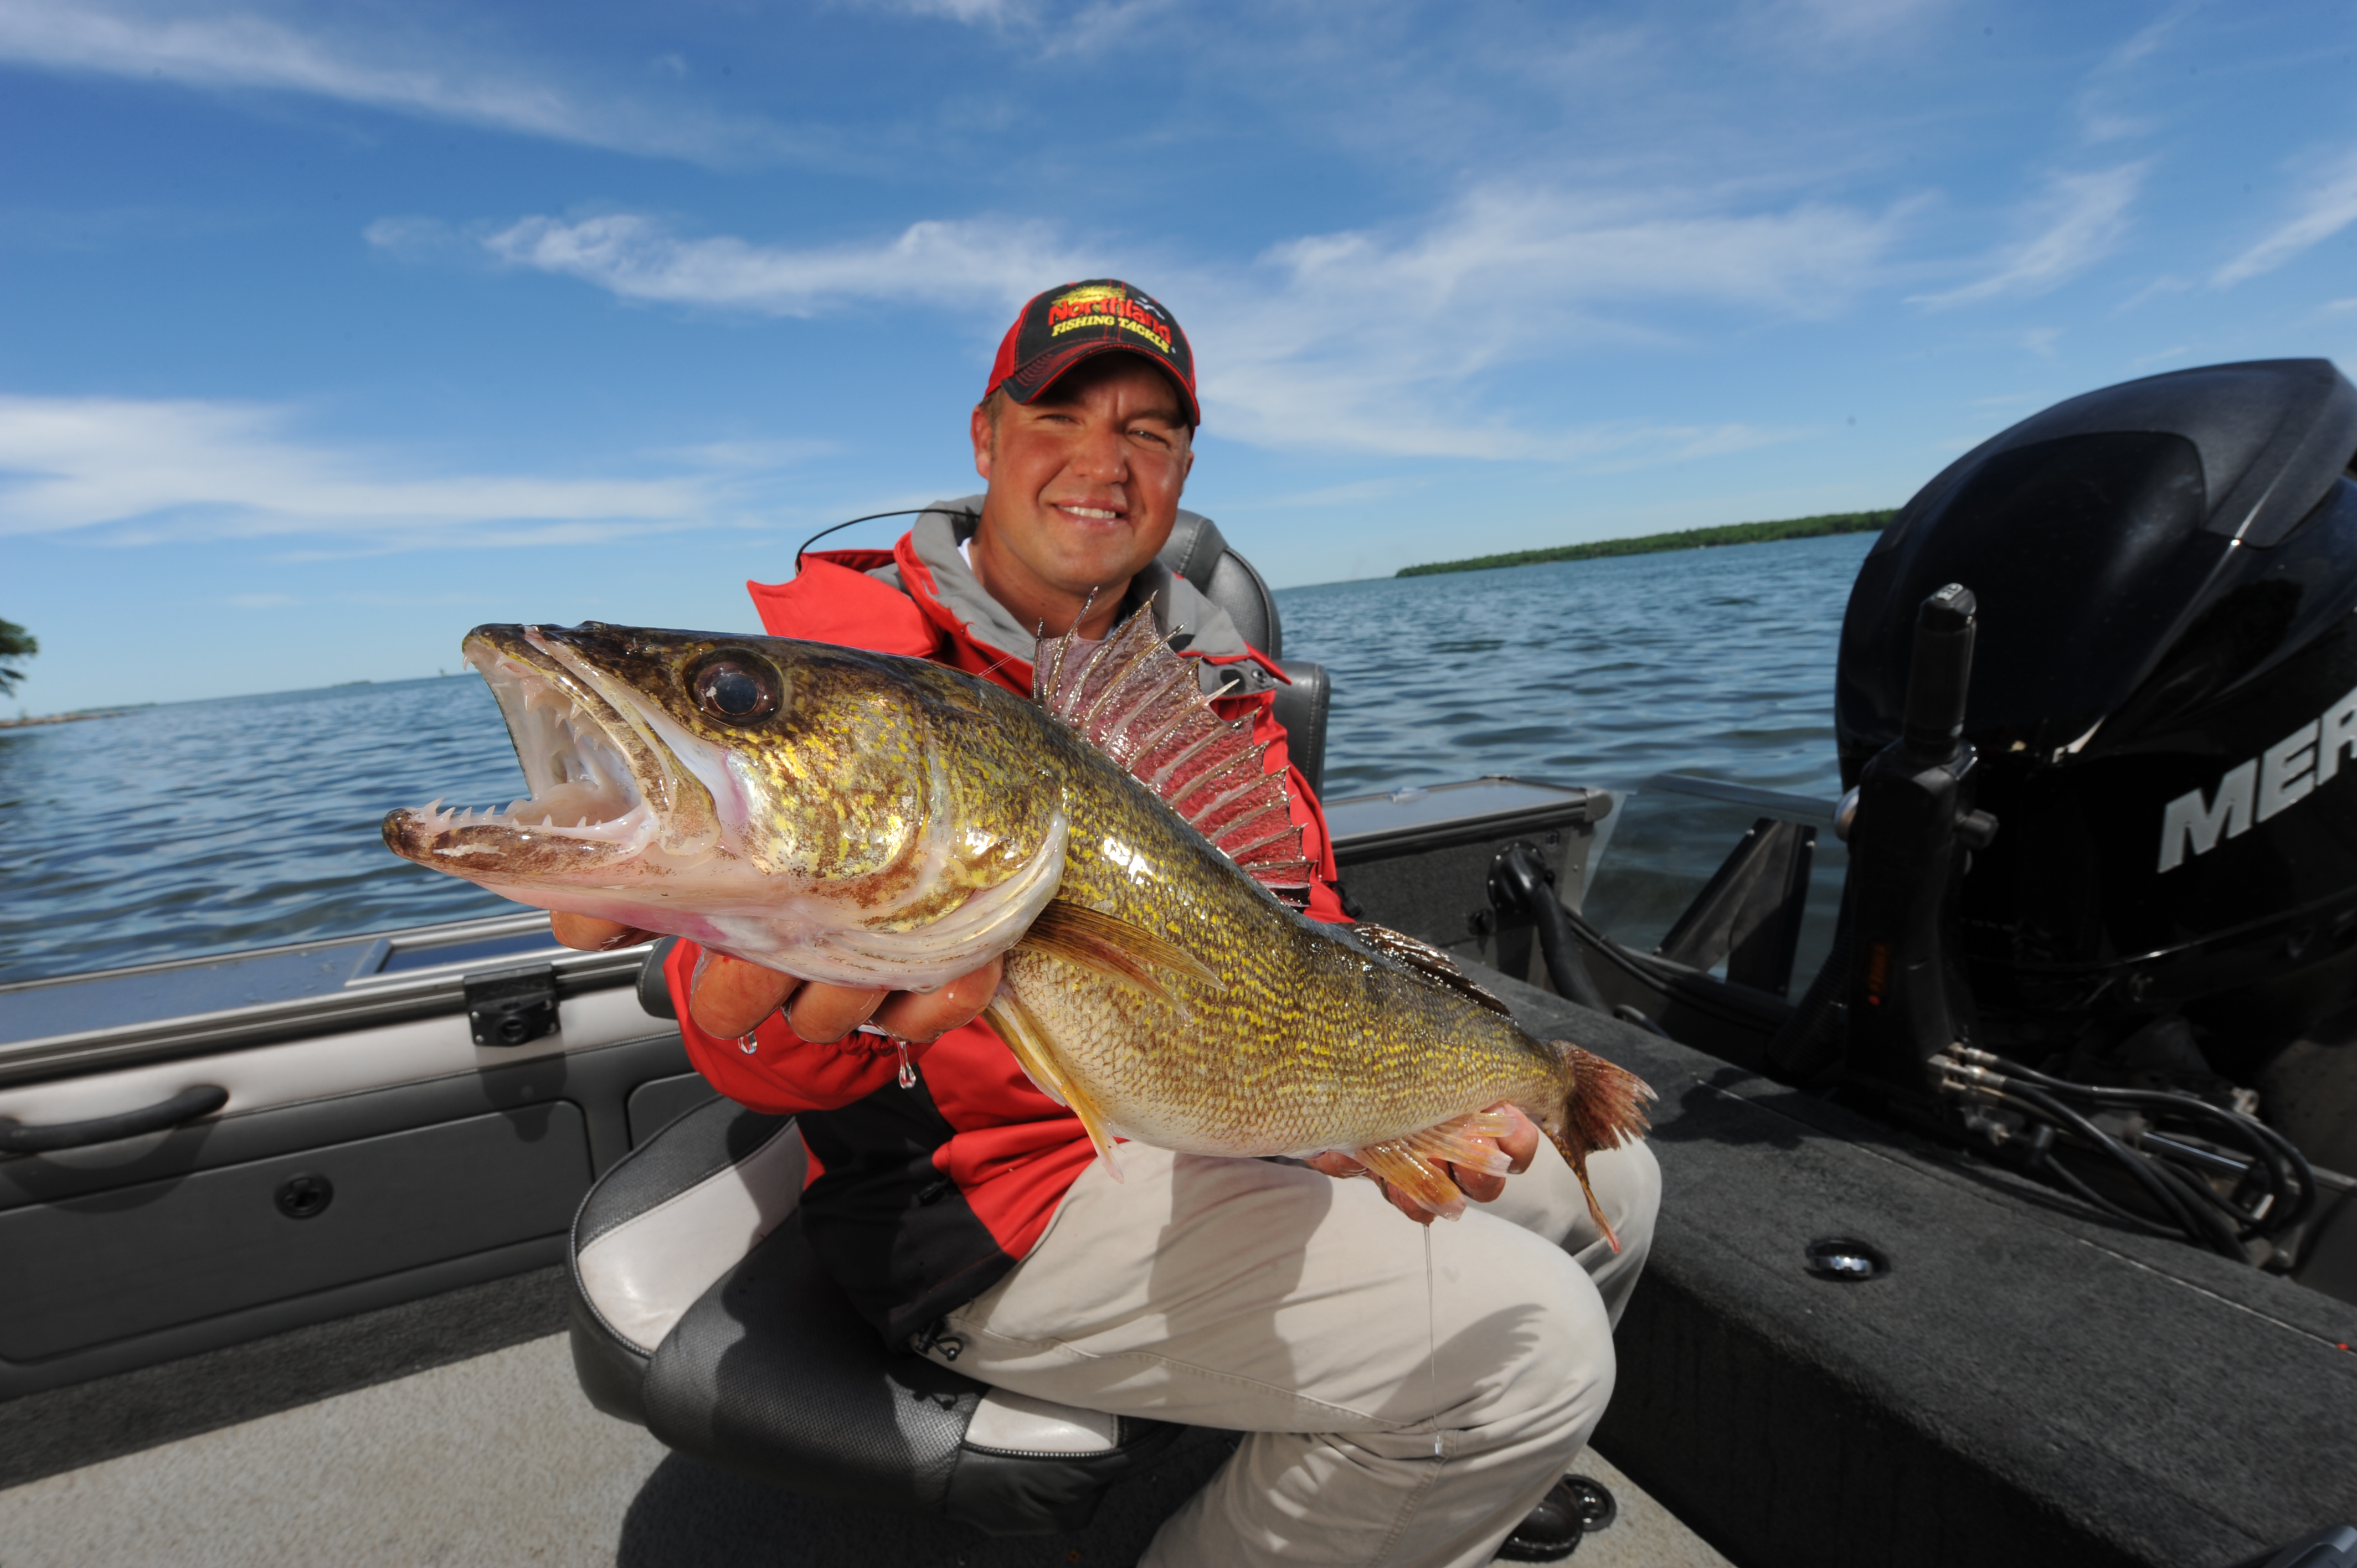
x: 728, y: 996
x: 1521, y: 1142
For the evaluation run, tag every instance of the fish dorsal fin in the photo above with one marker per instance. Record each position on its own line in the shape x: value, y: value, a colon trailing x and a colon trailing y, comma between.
x: 1427, y: 962
x: 1140, y: 704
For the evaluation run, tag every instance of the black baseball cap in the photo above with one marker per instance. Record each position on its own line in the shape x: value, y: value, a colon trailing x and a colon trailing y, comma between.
x: 1062, y: 327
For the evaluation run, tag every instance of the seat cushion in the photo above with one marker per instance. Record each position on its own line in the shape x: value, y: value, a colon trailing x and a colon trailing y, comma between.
x: 678, y: 1212
x: 772, y: 1374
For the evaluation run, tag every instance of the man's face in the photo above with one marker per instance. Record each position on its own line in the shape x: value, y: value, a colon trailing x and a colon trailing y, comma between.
x: 1084, y: 479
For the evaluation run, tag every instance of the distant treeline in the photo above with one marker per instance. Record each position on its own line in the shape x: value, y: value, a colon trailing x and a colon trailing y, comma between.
x: 1688, y: 539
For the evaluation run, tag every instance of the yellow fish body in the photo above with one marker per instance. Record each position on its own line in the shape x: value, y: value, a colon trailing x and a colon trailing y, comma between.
x: 870, y: 820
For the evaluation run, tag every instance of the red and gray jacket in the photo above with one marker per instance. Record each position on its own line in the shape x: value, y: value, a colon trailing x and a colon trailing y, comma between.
x: 922, y: 1198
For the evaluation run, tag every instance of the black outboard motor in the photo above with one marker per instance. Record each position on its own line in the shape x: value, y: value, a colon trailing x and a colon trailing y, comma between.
x: 2162, y: 715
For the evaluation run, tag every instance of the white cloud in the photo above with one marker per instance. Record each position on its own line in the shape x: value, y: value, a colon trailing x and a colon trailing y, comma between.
x: 2082, y: 218
x: 1372, y: 341
x: 1847, y: 19
x: 2331, y: 206
x: 140, y: 470
x: 957, y: 10
x: 244, y: 50
x: 1364, y: 340
x: 955, y: 263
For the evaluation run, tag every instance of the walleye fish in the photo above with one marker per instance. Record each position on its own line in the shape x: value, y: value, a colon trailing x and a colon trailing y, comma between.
x: 875, y: 821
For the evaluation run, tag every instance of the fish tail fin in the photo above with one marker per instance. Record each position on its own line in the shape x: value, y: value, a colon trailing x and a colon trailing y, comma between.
x: 1603, y: 1108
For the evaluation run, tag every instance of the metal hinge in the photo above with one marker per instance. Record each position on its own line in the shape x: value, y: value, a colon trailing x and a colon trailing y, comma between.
x: 513, y: 1007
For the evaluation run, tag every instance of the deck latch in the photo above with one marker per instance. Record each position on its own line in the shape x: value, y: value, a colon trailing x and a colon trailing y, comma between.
x: 513, y: 1007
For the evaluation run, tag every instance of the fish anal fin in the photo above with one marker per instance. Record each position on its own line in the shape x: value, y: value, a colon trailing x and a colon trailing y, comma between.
x: 1035, y: 1052
x: 1470, y: 1141
x: 1397, y: 1164
x: 1109, y: 945
x: 1427, y: 963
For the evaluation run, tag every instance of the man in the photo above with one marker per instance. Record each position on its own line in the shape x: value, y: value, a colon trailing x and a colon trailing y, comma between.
x: 1406, y: 1404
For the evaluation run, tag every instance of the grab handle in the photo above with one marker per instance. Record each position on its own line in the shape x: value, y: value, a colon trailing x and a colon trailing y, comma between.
x: 186, y: 1106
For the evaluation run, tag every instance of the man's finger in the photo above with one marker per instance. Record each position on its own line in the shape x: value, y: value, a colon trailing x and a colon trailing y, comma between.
x: 828, y: 1012
x: 1521, y: 1142
x: 728, y: 996
x: 591, y: 934
x: 925, y: 1016
x: 1478, y: 1185
x: 1408, y: 1206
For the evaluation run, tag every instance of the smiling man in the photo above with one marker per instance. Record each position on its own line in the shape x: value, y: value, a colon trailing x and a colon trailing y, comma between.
x: 963, y: 1210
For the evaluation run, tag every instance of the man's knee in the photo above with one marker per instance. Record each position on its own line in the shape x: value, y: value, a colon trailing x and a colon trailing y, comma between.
x: 1546, y: 1341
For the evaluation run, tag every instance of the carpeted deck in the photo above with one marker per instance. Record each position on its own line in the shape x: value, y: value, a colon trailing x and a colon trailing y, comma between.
x: 498, y: 1460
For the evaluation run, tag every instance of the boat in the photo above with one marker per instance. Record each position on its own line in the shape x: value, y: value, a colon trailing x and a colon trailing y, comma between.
x: 1874, y: 1328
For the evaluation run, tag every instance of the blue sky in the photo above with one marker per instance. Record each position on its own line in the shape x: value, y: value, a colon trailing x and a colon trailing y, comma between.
x: 327, y: 332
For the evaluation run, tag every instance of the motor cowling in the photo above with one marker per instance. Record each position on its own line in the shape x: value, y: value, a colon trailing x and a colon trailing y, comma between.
x: 2163, y: 704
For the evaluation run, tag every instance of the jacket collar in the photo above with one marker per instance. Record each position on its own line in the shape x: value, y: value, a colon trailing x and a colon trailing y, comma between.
x: 1193, y: 623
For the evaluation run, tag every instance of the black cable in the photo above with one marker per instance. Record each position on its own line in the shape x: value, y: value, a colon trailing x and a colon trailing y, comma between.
x: 2171, y: 1202
x: 2206, y: 1206
x: 871, y: 517
x: 2043, y: 1159
x: 2286, y: 1165
x: 2245, y: 1222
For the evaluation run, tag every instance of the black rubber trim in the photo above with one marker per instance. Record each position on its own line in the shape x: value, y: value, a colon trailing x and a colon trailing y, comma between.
x: 612, y: 1371
x: 202, y: 1099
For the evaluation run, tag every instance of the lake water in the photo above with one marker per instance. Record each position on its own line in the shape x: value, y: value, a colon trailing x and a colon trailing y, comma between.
x: 203, y: 827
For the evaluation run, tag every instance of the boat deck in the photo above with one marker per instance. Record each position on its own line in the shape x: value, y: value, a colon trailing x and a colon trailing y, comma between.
x: 498, y: 1459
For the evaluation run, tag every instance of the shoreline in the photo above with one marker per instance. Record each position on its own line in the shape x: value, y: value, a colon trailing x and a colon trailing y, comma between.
x: 63, y: 718
x: 1817, y: 527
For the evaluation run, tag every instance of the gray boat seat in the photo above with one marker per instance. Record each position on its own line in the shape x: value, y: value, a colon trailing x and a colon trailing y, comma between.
x: 1198, y: 552
x: 701, y: 1313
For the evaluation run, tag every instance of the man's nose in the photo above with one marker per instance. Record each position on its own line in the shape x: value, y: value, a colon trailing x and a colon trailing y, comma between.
x: 1101, y: 456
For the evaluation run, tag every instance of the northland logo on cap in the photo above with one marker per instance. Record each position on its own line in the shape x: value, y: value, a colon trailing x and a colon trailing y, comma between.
x: 1109, y: 304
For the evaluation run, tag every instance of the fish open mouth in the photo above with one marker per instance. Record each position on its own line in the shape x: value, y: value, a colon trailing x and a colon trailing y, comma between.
x: 577, y: 756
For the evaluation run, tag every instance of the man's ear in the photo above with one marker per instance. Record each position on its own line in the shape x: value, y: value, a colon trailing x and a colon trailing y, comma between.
x: 982, y: 433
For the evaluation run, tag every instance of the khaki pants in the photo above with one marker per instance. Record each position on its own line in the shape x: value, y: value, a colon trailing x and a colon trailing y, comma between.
x: 1268, y: 1299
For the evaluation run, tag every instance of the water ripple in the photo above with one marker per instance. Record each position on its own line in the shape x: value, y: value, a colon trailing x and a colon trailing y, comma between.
x: 206, y: 827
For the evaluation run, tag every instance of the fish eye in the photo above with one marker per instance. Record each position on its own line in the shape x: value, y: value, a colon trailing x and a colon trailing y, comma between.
x: 735, y: 688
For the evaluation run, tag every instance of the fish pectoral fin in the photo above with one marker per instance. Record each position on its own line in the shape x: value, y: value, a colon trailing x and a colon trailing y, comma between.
x: 1035, y: 1052
x: 1398, y: 1164
x: 1109, y: 945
